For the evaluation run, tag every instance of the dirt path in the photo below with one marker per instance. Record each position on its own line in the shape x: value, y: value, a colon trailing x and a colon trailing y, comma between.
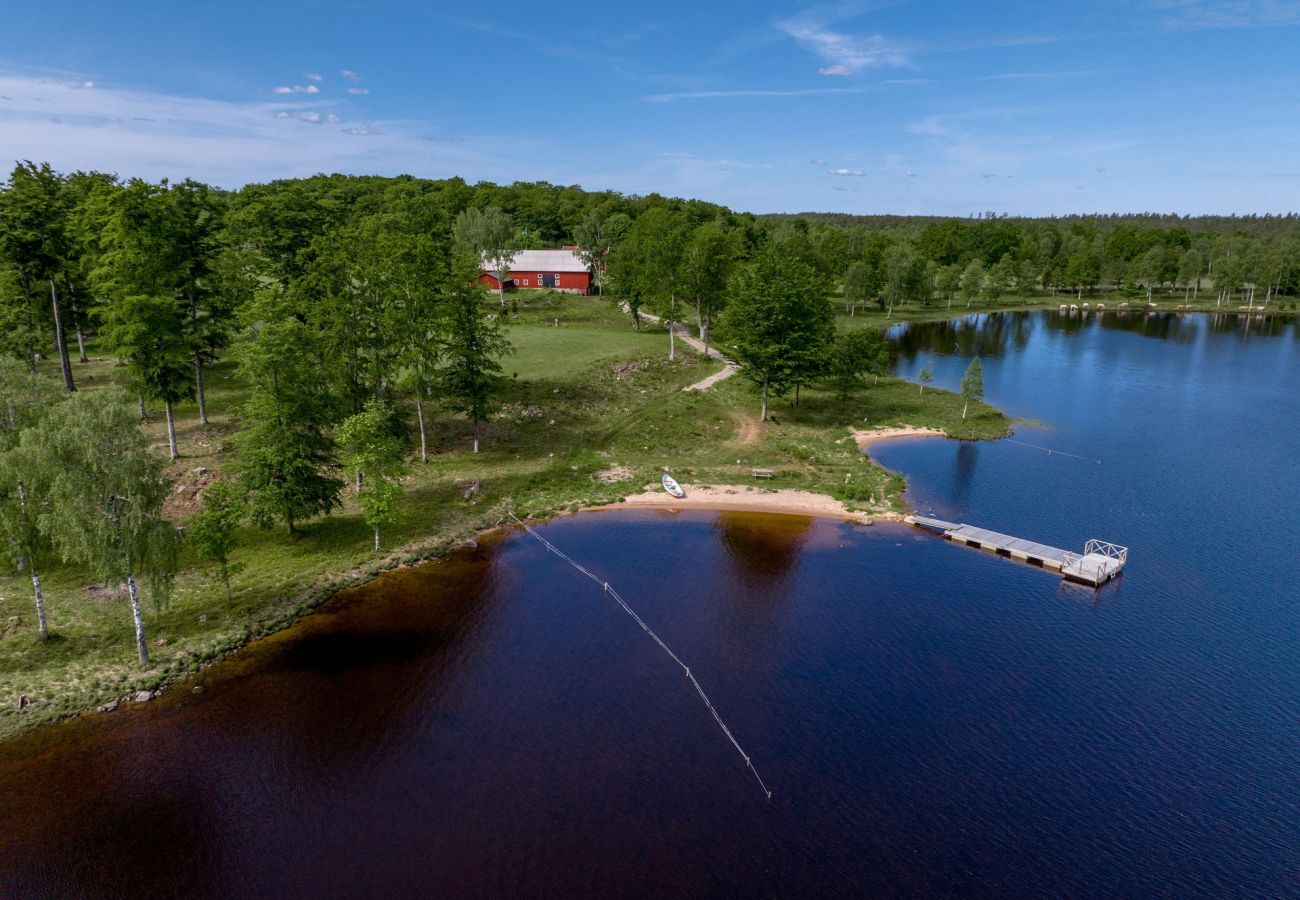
x: 730, y: 368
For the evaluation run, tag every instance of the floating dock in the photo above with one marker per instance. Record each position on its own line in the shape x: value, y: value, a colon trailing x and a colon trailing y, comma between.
x: 1099, y: 562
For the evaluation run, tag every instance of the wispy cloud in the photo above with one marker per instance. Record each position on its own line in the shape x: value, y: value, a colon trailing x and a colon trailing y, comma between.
x: 1221, y: 13
x: 296, y: 89
x: 358, y: 91
x: 313, y: 76
x: 845, y: 54
x: 849, y: 173
x: 156, y: 135
x: 350, y: 75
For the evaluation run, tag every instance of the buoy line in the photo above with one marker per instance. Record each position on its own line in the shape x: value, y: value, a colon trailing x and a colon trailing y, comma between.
x: 1052, y: 452
x: 609, y: 591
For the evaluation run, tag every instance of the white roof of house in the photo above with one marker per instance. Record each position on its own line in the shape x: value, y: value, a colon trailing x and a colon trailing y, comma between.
x: 546, y: 261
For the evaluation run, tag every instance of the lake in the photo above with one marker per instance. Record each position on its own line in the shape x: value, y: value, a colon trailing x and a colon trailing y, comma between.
x: 931, y: 720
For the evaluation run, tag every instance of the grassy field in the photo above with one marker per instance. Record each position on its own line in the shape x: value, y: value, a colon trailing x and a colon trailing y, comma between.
x: 593, y: 411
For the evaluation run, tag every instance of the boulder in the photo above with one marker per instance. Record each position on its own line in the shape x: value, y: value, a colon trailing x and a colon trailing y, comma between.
x: 143, y: 697
x: 111, y: 706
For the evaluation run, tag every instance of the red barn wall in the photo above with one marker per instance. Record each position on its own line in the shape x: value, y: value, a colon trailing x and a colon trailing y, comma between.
x: 570, y: 282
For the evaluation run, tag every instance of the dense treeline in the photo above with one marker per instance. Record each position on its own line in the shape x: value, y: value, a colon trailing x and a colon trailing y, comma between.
x: 351, y: 306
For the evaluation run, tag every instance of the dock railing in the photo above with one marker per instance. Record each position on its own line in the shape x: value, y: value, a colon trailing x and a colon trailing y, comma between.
x: 1106, y: 548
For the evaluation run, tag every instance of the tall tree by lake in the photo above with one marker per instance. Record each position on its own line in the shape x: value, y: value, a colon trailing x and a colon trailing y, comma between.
x: 24, y: 401
x: 283, y: 456
x: 473, y: 343
x: 778, y: 321
x: 34, y: 212
x: 105, y: 489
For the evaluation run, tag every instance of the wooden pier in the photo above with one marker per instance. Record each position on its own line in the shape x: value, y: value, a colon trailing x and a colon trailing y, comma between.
x: 1099, y: 562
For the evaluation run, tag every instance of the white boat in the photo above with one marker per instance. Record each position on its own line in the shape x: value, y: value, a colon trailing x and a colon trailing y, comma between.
x: 672, y: 487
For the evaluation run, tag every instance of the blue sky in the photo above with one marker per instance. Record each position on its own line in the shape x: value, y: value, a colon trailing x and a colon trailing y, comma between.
x: 906, y: 107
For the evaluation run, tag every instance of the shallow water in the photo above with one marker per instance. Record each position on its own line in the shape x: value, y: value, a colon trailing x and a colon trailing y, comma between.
x: 932, y: 720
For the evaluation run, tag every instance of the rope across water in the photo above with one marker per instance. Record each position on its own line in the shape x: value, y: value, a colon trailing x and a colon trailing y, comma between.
x: 609, y: 591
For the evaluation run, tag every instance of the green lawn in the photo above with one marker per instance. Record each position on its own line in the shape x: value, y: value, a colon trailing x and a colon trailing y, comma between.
x: 595, y: 412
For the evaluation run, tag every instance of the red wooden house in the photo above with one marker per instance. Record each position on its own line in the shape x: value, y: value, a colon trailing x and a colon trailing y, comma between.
x: 559, y: 270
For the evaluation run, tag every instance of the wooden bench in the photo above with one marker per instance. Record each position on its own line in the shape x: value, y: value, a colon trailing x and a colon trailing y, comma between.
x: 763, y: 473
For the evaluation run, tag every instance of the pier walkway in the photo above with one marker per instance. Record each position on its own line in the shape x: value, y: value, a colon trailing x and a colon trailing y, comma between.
x: 1099, y: 562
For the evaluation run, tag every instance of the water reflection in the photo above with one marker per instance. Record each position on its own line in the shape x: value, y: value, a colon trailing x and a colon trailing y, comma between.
x: 761, y: 550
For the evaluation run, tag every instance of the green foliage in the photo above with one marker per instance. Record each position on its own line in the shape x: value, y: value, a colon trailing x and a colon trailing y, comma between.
x: 972, y: 384
x: 473, y: 345
x: 490, y: 236
x: 855, y: 355
x: 213, y: 532
x: 925, y: 376
x: 778, y: 322
x: 283, y: 456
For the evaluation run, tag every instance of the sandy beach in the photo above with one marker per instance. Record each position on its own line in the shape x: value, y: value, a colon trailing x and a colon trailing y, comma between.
x: 756, y: 498
x: 866, y: 438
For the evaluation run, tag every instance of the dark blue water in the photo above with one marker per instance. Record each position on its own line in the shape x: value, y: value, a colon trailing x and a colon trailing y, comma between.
x: 933, y: 721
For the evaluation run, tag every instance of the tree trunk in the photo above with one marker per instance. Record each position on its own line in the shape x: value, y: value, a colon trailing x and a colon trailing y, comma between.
x: 360, y: 479
x: 171, y: 429
x: 424, y: 441
x: 141, y: 645
x: 763, y: 417
x: 198, y: 388
x: 376, y: 538
x: 476, y: 436
x: 64, y: 360
x: 81, y: 346
x: 225, y: 579
x: 796, y: 394
x: 699, y: 316
x: 40, y: 605
x: 965, y: 406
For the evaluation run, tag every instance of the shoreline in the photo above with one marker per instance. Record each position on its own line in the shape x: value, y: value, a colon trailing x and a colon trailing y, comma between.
x: 722, y: 498
x: 744, y: 498
x: 780, y: 501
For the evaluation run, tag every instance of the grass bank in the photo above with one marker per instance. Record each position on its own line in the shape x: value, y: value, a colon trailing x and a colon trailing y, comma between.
x: 593, y: 412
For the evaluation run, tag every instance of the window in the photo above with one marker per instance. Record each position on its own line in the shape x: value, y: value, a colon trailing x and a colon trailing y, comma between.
x: 557, y: 280
x: 525, y: 282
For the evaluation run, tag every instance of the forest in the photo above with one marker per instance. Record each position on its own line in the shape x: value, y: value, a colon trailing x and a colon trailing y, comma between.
x: 344, y: 314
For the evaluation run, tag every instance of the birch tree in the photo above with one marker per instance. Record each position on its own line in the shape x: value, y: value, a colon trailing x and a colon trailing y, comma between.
x: 105, y: 489
x: 214, y: 530
x: 489, y: 234
x: 372, y: 452
x: 24, y: 399
x: 972, y: 385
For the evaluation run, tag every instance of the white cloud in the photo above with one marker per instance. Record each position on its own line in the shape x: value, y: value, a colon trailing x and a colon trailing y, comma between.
x: 845, y: 54
x: 358, y: 91
x: 296, y: 89
x: 818, y: 162
x: 350, y: 75
x: 313, y: 76
x: 155, y: 135
x: 851, y: 173
x: 333, y: 119
x: 88, y: 84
